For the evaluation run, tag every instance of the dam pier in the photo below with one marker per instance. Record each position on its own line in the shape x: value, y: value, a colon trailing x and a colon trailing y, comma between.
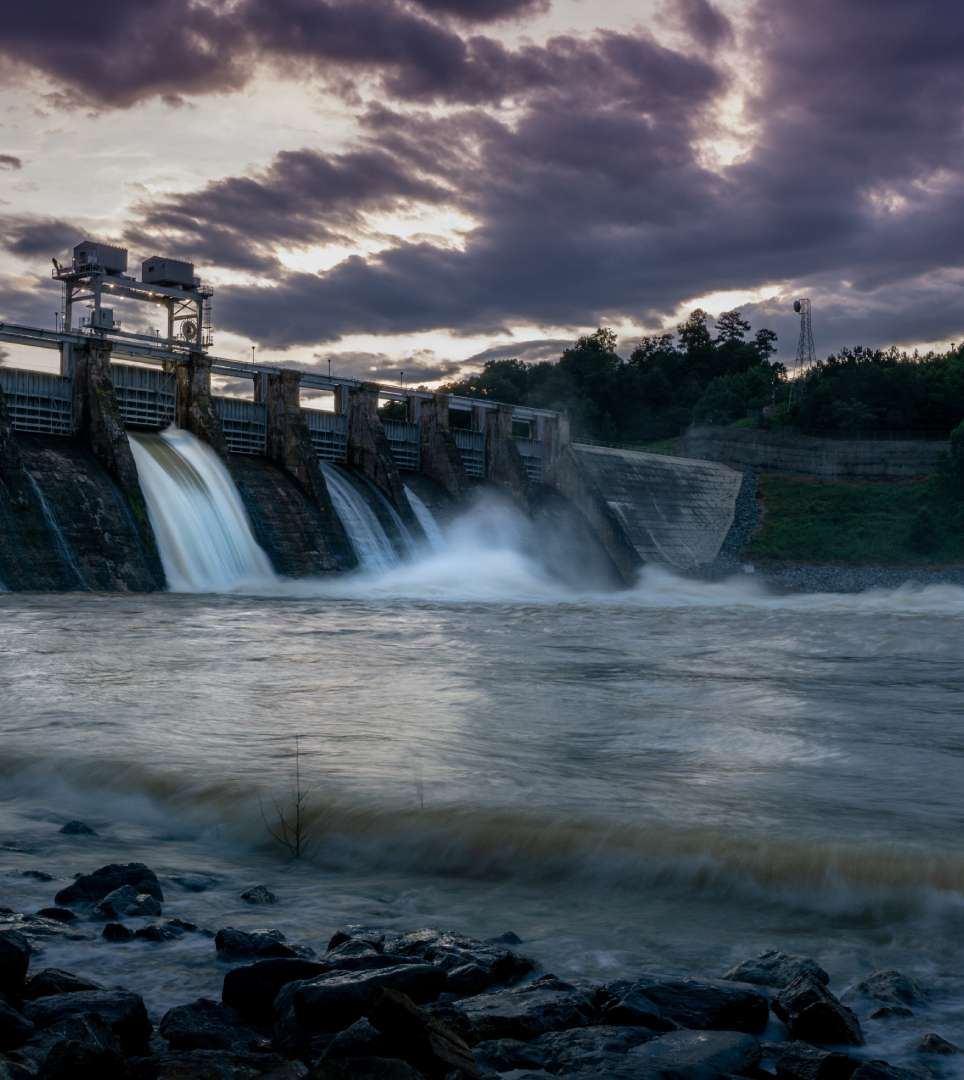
x: 73, y: 506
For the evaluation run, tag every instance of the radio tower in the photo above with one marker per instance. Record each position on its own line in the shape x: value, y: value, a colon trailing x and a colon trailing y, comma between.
x: 805, y: 351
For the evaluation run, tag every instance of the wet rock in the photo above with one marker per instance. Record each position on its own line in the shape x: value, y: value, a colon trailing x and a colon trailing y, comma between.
x: 127, y: 902
x: 233, y: 944
x: 508, y: 938
x: 775, y: 968
x: 361, y: 956
x: 932, y: 1043
x: 259, y: 894
x: 115, y: 931
x: 214, y: 1065
x: 77, y: 1048
x: 187, y: 927
x: 58, y: 914
x: 587, y: 1047
x: 880, y: 1070
x: 814, y: 1015
x: 526, y: 1012
x: 36, y: 928
x: 77, y: 828
x: 122, y: 1012
x: 15, y: 1028
x: 504, y: 1055
x: 479, y: 964
x: 332, y: 1001
x: 695, y: 1055
x: 361, y: 1039
x: 891, y: 1012
x: 800, y: 1061
x: 158, y: 934
x: 663, y: 1003
x: 14, y: 961
x: 356, y: 932
x: 52, y: 981
x: 889, y: 988
x: 427, y: 1044
x: 208, y: 1025
x: 365, y: 1069
x: 252, y: 989
x: 37, y: 875
x: 93, y: 887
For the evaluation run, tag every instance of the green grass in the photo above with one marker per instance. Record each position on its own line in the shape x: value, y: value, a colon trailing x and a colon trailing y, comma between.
x: 868, y: 524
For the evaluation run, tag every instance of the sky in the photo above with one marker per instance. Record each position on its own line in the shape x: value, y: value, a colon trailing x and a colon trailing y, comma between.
x: 419, y: 185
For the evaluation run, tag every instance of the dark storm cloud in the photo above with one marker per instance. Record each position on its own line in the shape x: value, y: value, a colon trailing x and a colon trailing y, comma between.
x: 529, y: 351
x: 37, y: 237
x: 303, y: 198
x: 421, y: 366
x: 705, y: 22
x: 484, y: 10
x: 10, y: 161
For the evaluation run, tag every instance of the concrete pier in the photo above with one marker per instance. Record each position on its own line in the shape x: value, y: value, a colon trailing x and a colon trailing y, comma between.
x: 441, y: 460
x: 195, y: 403
x: 503, y: 462
x: 369, y: 451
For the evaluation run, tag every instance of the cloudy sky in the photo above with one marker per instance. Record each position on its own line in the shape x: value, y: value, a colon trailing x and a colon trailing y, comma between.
x: 408, y: 184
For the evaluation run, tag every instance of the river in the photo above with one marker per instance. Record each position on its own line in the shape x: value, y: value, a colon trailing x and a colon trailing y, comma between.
x: 675, y: 777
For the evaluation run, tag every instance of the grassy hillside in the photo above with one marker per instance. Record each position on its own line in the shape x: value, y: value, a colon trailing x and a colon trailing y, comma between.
x: 869, y: 524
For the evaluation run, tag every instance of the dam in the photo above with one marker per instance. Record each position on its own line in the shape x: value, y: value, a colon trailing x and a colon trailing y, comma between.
x: 126, y: 470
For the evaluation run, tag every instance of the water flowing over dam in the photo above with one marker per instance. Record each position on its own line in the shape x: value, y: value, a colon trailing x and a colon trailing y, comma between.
x: 370, y: 541
x: 202, y: 530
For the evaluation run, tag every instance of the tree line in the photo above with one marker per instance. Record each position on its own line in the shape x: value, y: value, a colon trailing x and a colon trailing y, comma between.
x: 727, y: 374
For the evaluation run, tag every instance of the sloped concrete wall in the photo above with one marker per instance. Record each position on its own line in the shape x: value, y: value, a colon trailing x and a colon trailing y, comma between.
x: 651, y: 507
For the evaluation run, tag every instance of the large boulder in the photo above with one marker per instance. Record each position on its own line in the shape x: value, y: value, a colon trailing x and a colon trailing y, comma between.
x: 332, y: 1001
x: 214, y: 1065
x: 471, y: 965
x: 122, y: 1012
x: 251, y: 990
x: 664, y: 1003
x: 695, y: 1055
x: 587, y: 1047
x: 15, y: 1028
x: 14, y: 961
x: 504, y: 1055
x: 52, y: 981
x: 208, y: 1025
x: 889, y: 987
x: 934, y: 1044
x: 525, y: 1012
x: 777, y: 969
x: 80, y: 1046
x: 800, y: 1061
x: 233, y: 944
x: 127, y: 902
x: 420, y: 1039
x: 89, y: 888
x: 814, y: 1015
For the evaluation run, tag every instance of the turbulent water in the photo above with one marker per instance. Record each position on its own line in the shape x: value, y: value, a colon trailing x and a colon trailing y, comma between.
x: 676, y: 776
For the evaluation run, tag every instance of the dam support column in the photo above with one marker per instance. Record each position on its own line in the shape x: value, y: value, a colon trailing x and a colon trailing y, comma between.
x: 288, y: 445
x: 195, y: 404
x: 98, y: 422
x: 441, y: 460
x: 369, y: 451
x: 503, y: 462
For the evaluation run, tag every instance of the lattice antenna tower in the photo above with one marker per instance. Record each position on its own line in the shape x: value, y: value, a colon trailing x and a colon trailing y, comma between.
x: 806, y: 356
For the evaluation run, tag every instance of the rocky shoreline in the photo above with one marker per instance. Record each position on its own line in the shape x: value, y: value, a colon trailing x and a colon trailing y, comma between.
x: 391, y: 1005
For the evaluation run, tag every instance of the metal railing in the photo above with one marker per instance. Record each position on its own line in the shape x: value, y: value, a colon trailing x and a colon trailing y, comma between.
x: 329, y: 433
x: 38, y: 402
x: 146, y: 397
x: 531, y: 453
x: 243, y: 423
x: 471, y: 446
x: 403, y: 439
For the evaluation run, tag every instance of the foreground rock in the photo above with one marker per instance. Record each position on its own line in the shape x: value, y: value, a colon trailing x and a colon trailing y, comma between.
x: 420, y: 1039
x: 696, y: 1055
x: 122, y: 1012
x: 15, y: 1028
x: 232, y: 944
x: 663, y: 1003
x: 14, y: 961
x: 777, y: 969
x: 89, y: 888
x: 889, y: 988
x: 127, y: 902
x: 524, y: 1013
x: 214, y: 1065
x: 53, y: 981
x: 209, y: 1025
x: 813, y: 1014
x: 800, y: 1061
x: 251, y: 990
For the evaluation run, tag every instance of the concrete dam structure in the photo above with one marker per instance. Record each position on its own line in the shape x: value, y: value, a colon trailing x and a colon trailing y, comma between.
x: 126, y: 471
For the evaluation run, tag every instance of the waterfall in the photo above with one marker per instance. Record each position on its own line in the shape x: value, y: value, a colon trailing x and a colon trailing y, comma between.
x: 368, y: 538
x: 54, y: 526
x: 426, y: 519
x: 202, y: 529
